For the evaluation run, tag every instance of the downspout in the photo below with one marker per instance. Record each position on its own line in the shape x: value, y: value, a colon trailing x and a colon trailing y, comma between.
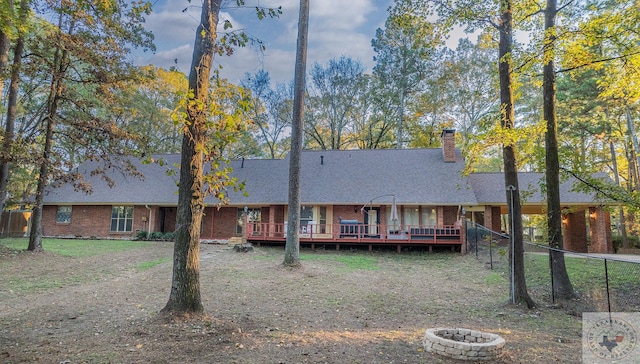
x: 149, y: 218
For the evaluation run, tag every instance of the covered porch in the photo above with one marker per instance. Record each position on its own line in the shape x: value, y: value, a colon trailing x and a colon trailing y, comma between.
x: 585, y: 228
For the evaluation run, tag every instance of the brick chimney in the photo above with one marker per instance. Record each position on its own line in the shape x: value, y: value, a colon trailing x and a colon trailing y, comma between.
x: 449, y: 145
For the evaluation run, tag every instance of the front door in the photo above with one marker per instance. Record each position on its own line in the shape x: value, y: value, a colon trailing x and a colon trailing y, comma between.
x: 372, y: 220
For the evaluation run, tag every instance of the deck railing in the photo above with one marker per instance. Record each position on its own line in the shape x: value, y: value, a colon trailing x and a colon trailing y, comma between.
x: 358, y: 232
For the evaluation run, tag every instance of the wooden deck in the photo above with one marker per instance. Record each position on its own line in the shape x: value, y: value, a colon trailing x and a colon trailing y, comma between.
x: 359, y: 235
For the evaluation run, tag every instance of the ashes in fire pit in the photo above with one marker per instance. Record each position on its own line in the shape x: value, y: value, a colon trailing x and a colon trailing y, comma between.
x: 464, y: 344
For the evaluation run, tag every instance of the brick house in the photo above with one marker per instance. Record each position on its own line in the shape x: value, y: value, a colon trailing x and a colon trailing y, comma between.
x: 390, y: 196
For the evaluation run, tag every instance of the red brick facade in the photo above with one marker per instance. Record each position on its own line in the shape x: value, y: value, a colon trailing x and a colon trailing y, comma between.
x: 492, y: 215
x: 599, y: 223
x: 95, y: 221
x: 91, y: 221
x: 221, y: 224
x: 574, y: 233
x: 449, y: 145
x: 449, y: 215
x: 350, y: 213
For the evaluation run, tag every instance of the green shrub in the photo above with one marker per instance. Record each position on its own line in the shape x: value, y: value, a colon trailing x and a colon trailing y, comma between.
x: 170, y: 236
x: 141, y: 235
x: 155, y: 236
x: 617, y: 241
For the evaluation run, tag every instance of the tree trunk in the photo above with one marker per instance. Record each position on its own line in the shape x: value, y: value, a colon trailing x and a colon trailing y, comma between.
x: 292, y: 246
x: 400, y: 128
x: 519, y: 294
x: 185, y: 287
x: 35, y: 236
x: 621, y: 219
x: 53, y: 101
x: 4, y: 57
x: 12, y: 103
x: 561, y: 283
x: 636, y: 146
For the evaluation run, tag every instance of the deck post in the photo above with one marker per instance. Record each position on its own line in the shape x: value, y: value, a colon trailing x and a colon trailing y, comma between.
x: 337, y: 246
x: 399, y: 248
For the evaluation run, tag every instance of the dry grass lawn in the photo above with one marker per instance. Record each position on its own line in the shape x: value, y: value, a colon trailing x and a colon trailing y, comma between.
x: 340, y: 307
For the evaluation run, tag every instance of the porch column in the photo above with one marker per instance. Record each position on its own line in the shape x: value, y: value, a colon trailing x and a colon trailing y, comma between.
x: 272, y: 221
x: 440, y: 215
x: 600, y: 229
x: 574, y: 237
x: 492, y: 218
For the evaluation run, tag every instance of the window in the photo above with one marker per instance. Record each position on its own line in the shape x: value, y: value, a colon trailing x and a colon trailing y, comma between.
x: 254, y: 215
x: 315, y: 218
x: 63, y: 215
x: 429, y: 217
x: 322, y: 217
x: 411, y: 218
x: 121, y: 219
x: 306, y: 215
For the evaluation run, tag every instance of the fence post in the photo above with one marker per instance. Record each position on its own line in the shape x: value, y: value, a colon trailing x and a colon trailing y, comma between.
x: 475, y: 229
x: 606, y: 278
x: 466, y: 233
x: 491, y: 252
x: 553, y: 291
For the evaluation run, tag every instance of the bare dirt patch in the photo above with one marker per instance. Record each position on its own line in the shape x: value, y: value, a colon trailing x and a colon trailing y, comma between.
x: 339, y: 307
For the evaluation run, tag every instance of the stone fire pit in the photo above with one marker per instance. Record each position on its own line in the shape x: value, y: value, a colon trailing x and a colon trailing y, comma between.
x: 463, y: 344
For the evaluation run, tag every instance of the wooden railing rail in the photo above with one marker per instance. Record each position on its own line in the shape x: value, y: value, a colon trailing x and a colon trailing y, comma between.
x: 350, y: 232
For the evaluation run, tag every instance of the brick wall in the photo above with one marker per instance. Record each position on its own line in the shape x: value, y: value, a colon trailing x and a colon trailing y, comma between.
x: 90, y: 221
x: 219, y: 224
x: 492, y: 215
x: 600, y: 226
x: 574, y: 237
x: 449, y: 145
x: 449, y: 215
x: 348, y: 212
x: 95, y: 221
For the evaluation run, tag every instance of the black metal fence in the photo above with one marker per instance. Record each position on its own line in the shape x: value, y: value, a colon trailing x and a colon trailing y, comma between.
x: 602, y: 282
x: 490, y: 247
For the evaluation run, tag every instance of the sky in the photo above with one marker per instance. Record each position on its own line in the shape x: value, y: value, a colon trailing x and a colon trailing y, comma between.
x: 336, y: 28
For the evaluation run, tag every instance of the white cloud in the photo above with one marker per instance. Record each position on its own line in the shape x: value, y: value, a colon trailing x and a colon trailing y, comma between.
x: 336, y: 28
x: 179, y: 57
x: 170, y: 25
x: 279, y: 63
x: 340, y: 14
x: 334, y: 45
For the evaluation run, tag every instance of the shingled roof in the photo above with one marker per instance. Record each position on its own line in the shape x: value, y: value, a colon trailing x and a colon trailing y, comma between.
x: 331, y: 177
x: 490, y: 189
